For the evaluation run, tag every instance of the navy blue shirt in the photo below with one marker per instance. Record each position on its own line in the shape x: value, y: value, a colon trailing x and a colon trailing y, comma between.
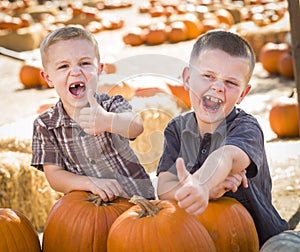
x: 182, y: 139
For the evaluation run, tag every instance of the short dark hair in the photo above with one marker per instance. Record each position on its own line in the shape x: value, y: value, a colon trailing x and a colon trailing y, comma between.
x: 226, y: 41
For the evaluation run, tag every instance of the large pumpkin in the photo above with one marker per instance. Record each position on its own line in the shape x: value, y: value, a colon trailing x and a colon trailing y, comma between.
x: 157, y: 225
x: 80, y: 221
x: 287, y: 241
x: 270, y: 54
x: 230, y: 226
x: 17, y: 232
x: 283, y: 117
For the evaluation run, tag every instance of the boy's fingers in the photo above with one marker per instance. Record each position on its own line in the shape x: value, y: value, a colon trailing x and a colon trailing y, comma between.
x: 91, y: 99
x: 182, y: 172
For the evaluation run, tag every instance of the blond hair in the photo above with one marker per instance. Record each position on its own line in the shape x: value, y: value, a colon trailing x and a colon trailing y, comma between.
x: 67, y: 33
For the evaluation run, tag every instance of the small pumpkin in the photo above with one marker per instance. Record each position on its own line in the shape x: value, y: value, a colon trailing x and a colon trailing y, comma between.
x: 286, y: 65
x: 180, y: 92
x: 193, y: 24
x: 269, y: 55
x: 155, y: 34
x: 176, y: 31
x: 79, y: 221
x: 286, y: 241
x: 157, y: 225
x: 283, y: 117
x: 230, y: 225
x: 134, y: 37
x: 17, y: 232
x: 30, y: 75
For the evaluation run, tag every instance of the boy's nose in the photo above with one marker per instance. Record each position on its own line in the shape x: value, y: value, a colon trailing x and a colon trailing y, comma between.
x: 75, y: 70
x: 218, y: 85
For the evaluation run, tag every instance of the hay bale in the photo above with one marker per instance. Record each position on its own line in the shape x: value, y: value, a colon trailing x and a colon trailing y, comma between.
x: 156, y: 111
x: 24, y: 188
x: 15, y: 144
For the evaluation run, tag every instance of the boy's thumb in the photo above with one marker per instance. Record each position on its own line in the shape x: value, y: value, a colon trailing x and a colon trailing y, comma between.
x: 91, y: 99
x: 182, y: 172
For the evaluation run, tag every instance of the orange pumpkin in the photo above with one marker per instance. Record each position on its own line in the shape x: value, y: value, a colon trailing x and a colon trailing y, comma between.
x: 17, y: 232
x: 193, y: 24
x: 230, y: 225
x: 30, y: 75
x: 283, y: 117
x: 145, y: 86
x: 155, y: 34
x: 134, y: 37
x: 120, y: 88
x: 176, y: 32
x: 224, y: 16
x: 157, y: 225
x: 286, y: 65
x: 181, y: 93
x: 270, y: 54
x: 80, y: 221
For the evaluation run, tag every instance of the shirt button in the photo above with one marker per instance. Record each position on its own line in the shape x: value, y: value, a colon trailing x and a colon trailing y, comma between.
x: 203, y: 151
x: 93, y: 161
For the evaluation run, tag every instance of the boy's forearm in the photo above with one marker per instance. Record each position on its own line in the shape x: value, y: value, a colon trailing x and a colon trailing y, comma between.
x: 64, y: 181
x: 126, y: 124
x: 167, y: 185
x: 223, y: 162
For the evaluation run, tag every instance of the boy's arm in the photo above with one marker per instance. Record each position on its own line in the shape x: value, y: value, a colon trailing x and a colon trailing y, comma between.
x: 193, y: 195
x: 95, y: 120
x: 64, y: 181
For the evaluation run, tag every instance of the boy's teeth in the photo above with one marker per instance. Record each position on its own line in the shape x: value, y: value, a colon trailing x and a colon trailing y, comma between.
x: 74, y: 85
x: 213, y: 99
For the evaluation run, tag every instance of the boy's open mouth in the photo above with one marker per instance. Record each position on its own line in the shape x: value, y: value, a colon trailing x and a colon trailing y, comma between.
x: 211, y: 103
x: 77, y: 89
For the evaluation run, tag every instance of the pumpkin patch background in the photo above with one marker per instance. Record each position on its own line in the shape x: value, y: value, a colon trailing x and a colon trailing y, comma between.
x: 20, y: 105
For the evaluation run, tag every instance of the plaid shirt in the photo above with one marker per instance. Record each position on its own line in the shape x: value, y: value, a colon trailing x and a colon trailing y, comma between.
x: 59, y: 140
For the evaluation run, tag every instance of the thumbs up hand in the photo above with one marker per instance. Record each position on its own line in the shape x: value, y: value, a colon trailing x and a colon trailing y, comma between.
x: 191, y: 196
x: 93, y: 119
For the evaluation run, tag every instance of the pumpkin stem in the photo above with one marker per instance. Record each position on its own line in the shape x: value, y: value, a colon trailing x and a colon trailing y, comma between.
x: 97, y: 200
x: 148, y: 208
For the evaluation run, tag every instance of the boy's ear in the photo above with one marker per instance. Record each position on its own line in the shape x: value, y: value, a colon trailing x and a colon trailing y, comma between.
x: 186, y: 78
x: 45, y: 76
x: 100, y: 68
x: 244, y: 93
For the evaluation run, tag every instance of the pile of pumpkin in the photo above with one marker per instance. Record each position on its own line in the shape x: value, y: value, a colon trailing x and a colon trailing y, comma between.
x: 185, y: 20
x: 277, y: 59
x: 29, y: 22
x: 138, y: 225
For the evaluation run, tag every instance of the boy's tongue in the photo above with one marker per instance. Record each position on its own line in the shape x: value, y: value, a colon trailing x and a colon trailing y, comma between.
x: 77, y: 89
x: 213, y: 105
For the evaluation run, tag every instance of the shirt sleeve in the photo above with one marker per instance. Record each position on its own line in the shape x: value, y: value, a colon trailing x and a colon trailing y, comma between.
x: 44, y: 150
x: 246, y: 134
x: 117, y: 104
x: 171, y: 149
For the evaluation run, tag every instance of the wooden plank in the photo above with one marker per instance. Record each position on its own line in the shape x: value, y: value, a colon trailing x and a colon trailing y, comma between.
x: 294, y: 12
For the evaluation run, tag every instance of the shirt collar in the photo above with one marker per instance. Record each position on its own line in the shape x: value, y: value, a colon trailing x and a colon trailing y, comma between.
x: 192, y: 125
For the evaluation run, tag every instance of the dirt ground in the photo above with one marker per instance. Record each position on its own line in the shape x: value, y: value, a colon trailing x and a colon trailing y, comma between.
x: 18, y: 105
